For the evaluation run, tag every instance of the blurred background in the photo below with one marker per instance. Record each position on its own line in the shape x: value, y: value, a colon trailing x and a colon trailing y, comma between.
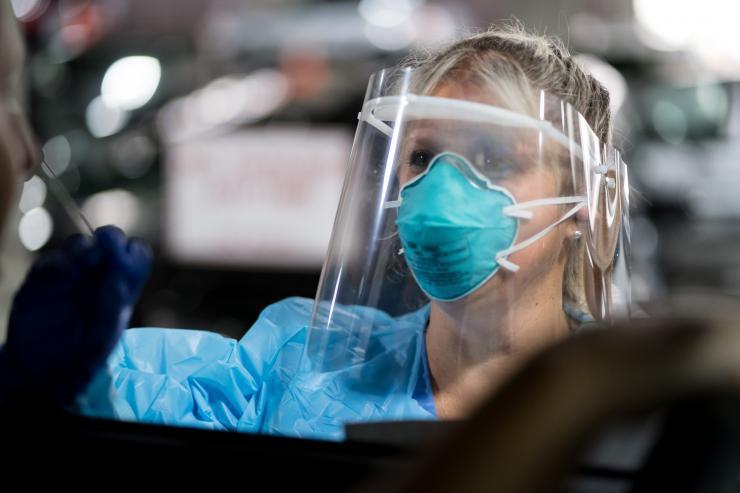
x: 220, y: 130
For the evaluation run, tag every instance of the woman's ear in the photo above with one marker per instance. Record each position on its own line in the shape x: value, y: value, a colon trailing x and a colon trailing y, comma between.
x: 574, y: 226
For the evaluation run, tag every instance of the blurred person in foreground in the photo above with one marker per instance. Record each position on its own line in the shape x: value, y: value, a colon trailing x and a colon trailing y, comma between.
x: 76, y: 301
x: 532, y: 434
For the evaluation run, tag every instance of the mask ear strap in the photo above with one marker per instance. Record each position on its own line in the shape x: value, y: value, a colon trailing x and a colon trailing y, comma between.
x: 501, y: 256
x: 519, y: 210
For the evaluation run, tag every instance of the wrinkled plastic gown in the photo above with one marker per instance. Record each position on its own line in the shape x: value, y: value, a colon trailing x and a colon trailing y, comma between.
x: 196, y: 378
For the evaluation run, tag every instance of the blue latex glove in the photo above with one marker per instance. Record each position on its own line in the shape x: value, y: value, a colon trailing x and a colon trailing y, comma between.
x: 69, y: 314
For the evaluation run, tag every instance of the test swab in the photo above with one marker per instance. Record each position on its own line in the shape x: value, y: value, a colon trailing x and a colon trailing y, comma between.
x: 65, y: 199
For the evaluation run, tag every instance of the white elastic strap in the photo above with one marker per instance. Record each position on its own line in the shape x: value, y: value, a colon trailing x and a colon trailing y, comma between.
x: 392, y: 204
x: 510, y: 266
x: 519, y: 210
x: 501, y: 256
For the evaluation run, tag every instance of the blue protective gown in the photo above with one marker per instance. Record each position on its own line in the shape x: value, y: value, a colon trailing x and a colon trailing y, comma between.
x: 197, y: 378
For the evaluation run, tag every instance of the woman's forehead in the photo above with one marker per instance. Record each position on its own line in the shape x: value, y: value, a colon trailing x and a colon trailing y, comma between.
x: 467, y: 91
x: 461, y: 131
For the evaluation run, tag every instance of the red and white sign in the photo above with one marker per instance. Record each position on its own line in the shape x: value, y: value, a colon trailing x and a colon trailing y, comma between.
x: 255, y: 198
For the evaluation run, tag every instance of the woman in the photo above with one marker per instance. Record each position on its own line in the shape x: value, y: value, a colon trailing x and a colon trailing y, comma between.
x: 478, y: 180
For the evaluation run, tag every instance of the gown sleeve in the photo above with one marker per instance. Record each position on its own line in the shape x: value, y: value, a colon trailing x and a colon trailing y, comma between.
x: 198, y: 378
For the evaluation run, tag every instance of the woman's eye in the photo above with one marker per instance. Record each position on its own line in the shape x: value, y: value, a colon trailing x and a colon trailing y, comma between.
x: 420, y: 158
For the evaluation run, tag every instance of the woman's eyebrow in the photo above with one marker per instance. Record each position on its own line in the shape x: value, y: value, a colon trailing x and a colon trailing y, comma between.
x: 427, y: 134
x: 421, y: 139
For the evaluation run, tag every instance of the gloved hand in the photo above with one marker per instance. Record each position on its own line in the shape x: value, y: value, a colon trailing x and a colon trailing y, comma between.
x: 69, y: 314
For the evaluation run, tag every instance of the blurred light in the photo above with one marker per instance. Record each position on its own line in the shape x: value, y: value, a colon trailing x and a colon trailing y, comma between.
x: 57, y: 154
x: 393, y: 25
x: 609, y: 76
x: 669, y: 22
x: 254, y: 96
x: 387, y: 13
x: 35, y: 228
x: 221, y: 101
x: 640, y: 287
x: 29, y: 10
x: 225, y: 102
x: 82, y: 23
x: 712, y: 100
x: 435, y: 25
x: 670, y: 122
x: 708, y: 28
x: 103, y: 120
x: 644, y: 238
x: 667, y: 171
x: 78, y: 36
x: 131, y: 82
x: 391, y: 38
x: 115, y: 206
x: 33, y: 195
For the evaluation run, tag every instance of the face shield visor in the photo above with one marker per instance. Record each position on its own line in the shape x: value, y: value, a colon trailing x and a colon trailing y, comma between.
x: 499, y: 221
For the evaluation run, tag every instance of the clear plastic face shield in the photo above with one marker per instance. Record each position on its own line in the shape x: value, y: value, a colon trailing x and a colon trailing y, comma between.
x: 498, y: 221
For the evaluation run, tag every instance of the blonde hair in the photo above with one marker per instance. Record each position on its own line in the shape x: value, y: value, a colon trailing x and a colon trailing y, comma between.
x: 507, y: 56
x: 515, y: 64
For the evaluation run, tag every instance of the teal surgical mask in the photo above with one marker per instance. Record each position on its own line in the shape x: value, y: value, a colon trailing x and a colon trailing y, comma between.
x: 457, y: 228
